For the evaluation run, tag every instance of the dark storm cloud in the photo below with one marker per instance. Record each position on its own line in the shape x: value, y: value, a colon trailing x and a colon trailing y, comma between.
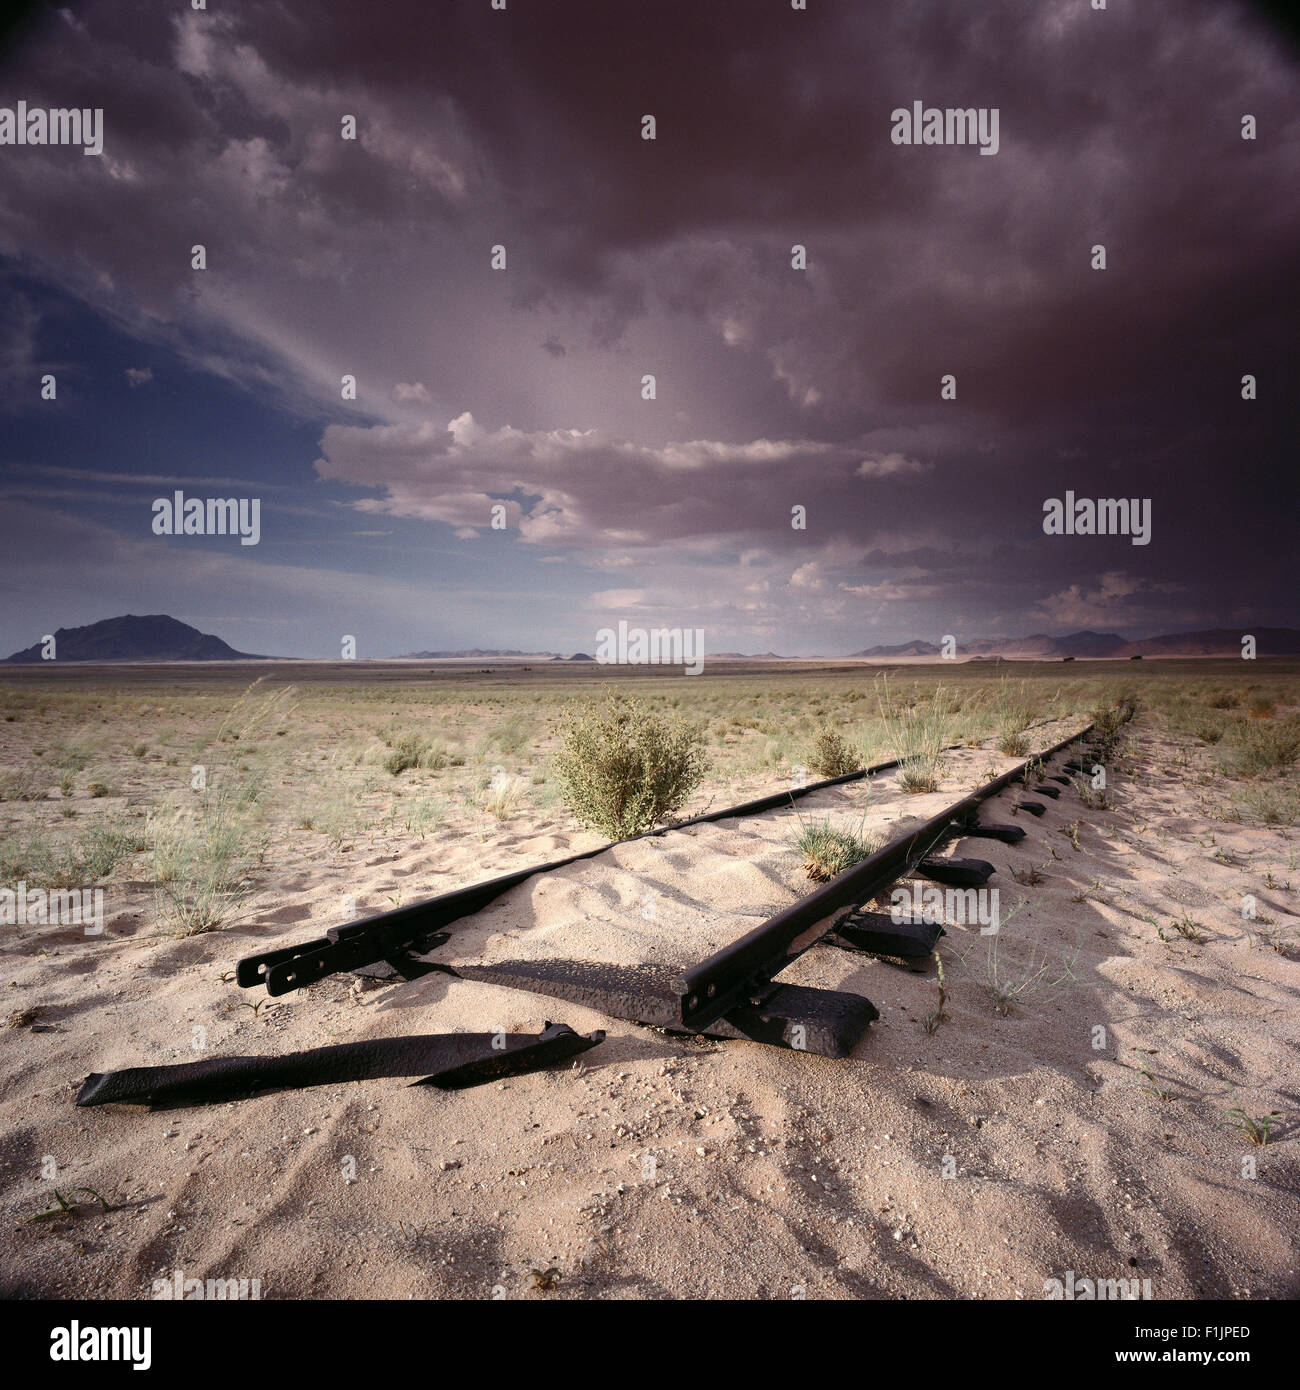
x: 478, y: 127
x: 1121, y: 127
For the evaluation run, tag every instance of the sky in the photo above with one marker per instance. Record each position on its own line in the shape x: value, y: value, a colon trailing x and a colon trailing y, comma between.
x: 776, y: 388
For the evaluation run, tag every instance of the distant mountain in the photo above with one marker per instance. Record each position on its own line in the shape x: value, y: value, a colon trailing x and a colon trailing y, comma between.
x: 1039, y: 644
x: 469, y: 651
x: 916, y: 648
x: 1093, y: 644
x: 745, y: 656
x: 1270, y: 641
x: 577, y: 656
x: 1219, y: 641
x: 129, y: 638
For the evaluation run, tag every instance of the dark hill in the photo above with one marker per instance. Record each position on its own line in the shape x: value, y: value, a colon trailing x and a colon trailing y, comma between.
x: 155, y: 637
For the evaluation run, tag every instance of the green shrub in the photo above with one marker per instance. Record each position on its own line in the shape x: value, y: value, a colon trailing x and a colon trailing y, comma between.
x: 832, y: 754
x: 1272, y: 803
x: 407, y: 750
x: 622, y: 767
x: 1109, y: 719
x: 26, y: 784
x: 1252, y: 749
x: 101, y: 848
x: 511, y: 736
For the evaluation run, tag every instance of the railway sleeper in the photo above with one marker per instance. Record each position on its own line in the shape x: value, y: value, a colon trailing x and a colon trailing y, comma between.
x: 878, y: 934
x: 1008, y: 834
x: 826, y: 1021
x: 956, y: 873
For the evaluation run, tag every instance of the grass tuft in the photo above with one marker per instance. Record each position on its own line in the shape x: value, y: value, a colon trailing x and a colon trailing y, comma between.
x: 829, y: 850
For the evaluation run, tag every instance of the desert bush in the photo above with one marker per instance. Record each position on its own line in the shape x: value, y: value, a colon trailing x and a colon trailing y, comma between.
x: 41, y: 862
x: 1094, y: 798
x: 774, y: 753
x: 1036, y: 980
x: 23, y: 784
x: 1209, y: 729
x: 1013, y: 743
x: 1257, y: 748
x: 1206, y: 724
x: 828, y: 850
x: 1110, y: 717
x: 406, y: 752
x: 511, y: 736
x: 29, y: 858
x: 1268, y: 803
x: 421, y: 817
x: 832, y: 754
x: 101, y: 847
x: 622, y: 767
x: 74, y: 755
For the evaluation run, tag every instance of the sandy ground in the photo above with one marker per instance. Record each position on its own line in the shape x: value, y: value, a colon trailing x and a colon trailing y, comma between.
x: 999, y: 1152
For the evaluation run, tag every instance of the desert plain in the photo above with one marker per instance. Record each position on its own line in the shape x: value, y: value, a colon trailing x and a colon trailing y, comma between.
x: 1106, y: 1089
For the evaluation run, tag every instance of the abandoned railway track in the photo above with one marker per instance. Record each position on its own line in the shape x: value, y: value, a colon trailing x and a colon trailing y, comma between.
x: 735, y: 985
x: 733, y: 992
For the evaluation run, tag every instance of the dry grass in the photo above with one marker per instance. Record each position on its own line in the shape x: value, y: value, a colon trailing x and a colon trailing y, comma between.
x: 326, y: 787
x: 828, y: 850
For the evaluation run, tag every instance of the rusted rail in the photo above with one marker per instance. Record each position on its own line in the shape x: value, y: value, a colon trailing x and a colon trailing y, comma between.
x: 413, y: 928
x: 733, y: 993
x: 741, y: 972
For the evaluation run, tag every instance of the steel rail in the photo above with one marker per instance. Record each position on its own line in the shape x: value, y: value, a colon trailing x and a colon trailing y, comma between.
x: 729, y: 979
x: 740, y: 973
x: 371, y: 939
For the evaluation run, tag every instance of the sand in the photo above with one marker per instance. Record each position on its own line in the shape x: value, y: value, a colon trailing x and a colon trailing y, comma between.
x: 982, y: 1160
